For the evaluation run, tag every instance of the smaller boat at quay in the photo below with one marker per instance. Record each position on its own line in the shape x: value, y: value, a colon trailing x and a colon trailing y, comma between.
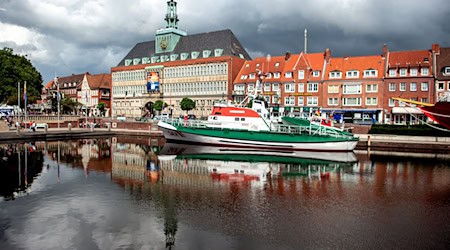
x: 248, y: 125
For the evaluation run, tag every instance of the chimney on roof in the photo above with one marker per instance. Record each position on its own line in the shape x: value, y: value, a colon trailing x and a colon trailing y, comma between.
x: 385, y: 51
x: 287, y: 56
x: 327, y: 55
x: 435, y: 48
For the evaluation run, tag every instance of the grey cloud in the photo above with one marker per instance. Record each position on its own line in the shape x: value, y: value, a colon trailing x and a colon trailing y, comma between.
x: 93, y: 35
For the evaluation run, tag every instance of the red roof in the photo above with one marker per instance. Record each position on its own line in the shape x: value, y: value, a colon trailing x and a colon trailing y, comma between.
x: 100, y: 81
x: 360, y: 63
x: 409, y: 58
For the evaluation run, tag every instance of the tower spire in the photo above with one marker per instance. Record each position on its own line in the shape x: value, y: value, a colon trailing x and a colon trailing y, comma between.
x: 306, y: 41
x: 171, y: 16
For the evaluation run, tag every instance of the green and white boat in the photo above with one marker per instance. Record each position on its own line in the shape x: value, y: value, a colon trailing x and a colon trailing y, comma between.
x: 239, y: 126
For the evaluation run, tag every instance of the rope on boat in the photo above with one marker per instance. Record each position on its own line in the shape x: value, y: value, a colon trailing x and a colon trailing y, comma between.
x: 426, y: 123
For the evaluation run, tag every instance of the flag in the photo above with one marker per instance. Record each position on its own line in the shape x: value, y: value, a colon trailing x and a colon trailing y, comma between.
x: 25, y: 91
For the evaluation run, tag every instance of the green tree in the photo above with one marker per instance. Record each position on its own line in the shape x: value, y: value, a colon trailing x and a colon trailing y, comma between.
x: 101, y: 106
x: 68, y: 105
x: 187, y: 104
x: 159, y: 105
x: 14, y: 69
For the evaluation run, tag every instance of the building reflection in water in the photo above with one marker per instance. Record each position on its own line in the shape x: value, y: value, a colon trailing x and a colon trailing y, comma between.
x: 221, y: 179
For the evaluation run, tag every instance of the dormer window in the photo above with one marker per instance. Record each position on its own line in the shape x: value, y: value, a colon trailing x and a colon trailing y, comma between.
x: 316, y: 73
x: 218, y: 52
x: 392, y: 72
x: 257, y: 65
x: 252, y: 76
x: 277, y: 65
x: 370, y: 73
x: 335, y: 74
x: 268, y: 75
x: 413, y: 72
x: 145, y: 60
x: 194, y: 54
x: 447, y: 71
x: 206, y: 53
x: 424, y: 71
x: 402, y: 72
x: 184, y: 56
x: 136, y: 61
x: 288, y: 74
x: 352, y: 74
x: 276, y: 75
x: 128, y: 62
x: 301, y: 74
x: 243, y: 77
x: 247, y: 66
x: 154, y: 59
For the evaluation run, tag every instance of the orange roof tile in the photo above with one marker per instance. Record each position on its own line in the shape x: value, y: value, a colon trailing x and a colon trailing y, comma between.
x: 409, y: 58
x: 359, y: 63
x: 99, y: 81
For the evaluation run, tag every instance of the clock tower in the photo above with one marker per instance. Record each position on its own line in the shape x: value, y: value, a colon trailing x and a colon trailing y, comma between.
x: 167, y: 38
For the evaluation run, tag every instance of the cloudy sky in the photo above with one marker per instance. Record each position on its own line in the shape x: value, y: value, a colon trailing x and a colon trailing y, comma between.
x: 74, y: 36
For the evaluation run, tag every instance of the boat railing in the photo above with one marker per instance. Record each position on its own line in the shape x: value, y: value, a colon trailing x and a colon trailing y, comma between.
x: 276, y: 128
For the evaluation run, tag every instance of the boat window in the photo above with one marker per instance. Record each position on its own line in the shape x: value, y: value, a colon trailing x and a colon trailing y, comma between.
x: 218, y: 113
x: 236, y: 119
x: 214, y: 118
x: 242, y: 119
x: 236, y: 171
x: 242, y: 171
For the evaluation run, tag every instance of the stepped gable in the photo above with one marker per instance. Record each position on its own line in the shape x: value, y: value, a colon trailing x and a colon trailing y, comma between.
x: 224, y: 39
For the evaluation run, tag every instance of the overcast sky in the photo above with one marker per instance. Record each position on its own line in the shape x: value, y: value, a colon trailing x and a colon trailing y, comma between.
x: 74, y: 36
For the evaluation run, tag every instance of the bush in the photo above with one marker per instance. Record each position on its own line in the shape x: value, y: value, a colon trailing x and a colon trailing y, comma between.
x: 415, y: 130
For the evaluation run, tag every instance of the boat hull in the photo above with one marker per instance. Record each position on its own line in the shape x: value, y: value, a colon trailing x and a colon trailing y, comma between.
x: 439, y: 113
x: 253, y: 139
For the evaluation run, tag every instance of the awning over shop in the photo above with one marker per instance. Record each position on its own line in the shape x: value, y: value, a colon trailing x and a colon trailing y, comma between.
x: 328, y: 110
x: 406, y: 110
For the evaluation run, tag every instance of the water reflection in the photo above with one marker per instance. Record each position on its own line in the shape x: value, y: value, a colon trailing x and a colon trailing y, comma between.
x: 194, y: 196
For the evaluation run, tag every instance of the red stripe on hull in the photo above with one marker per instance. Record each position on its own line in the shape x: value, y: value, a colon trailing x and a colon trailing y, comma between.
x: 439, y: 113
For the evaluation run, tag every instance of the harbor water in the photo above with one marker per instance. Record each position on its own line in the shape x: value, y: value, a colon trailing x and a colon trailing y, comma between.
x: 138, y: 193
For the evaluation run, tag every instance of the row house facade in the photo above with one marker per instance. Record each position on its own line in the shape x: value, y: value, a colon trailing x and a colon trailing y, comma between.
x: 290, y: 84
x: 86, y: 89
x: 408, y: 75
x: 442, y: 72
x: 349, y: 89
x: 95, y: 89
x: 176, y: 65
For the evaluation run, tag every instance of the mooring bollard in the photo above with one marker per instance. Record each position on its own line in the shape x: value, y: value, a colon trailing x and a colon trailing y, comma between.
x: 70, y: 127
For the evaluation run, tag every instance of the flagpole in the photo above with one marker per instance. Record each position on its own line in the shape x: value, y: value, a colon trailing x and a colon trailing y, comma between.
x: 18, y: 101
x: 25, y: 97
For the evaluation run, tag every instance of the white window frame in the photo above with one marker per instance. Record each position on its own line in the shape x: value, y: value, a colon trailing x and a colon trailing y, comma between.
x: 356, y: 103
x: 288, y: 74
x: 424, y: 71
x: 266, y: 87
x: 352, y: 74
x: 402, y: 86
x: 335, y: 74
x: 301, y: 74
x: 392, y: 72
x: 413, y: 86
x: 313, y: 87
x: 252, y: 76
x: 391, y: 102
x: 371, y: 88
x: 413, y: 72
x: 447, y: 71
x: 239, y: 87
x: 289, y: 87
x: 276, y: 75
x: 275, y: 87
x: 289, y: 101
x: 371, y: 73
x: 333, y: 101
x: 301, y: 101
x: 402, y: 71
x: 371, y: 101
x: 347, y: 89
x: 312, y: 101
x: 424, y: 86
x: 333, y: 89
x: 392, y: 87
x: 316, y: 73
x: 301, y: 87
x: 268, y: 75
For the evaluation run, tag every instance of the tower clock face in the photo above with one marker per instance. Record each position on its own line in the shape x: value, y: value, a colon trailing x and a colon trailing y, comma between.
x: 163, y: 44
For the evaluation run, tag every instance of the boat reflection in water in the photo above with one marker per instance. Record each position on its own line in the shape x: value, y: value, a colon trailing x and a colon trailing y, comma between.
x: 235, y: 164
